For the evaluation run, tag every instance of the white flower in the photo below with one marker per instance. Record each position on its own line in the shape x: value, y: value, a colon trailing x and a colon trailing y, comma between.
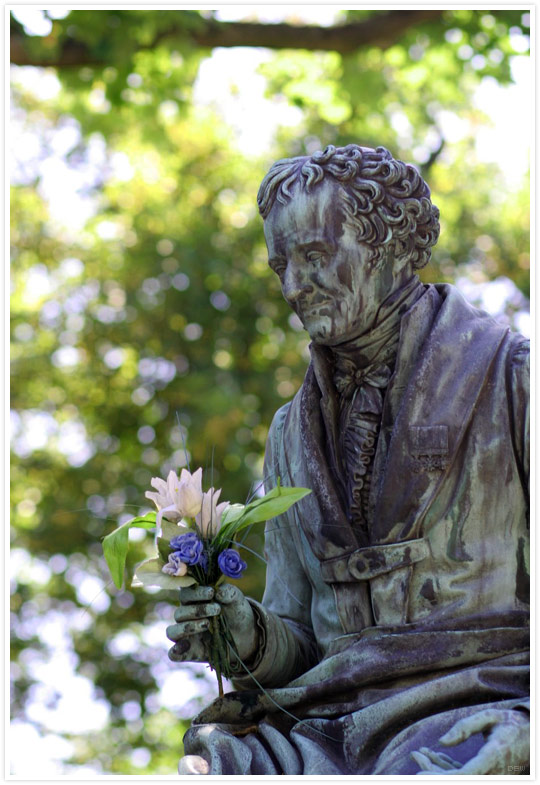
x: 163, y: 498
x: 177, y: 497
x: 174, y: 566
x: 209, y: 518
x: 186, y: 492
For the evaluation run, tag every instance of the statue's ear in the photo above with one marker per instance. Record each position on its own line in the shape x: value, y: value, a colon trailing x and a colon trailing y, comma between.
x: 401, y: 253
x: 385, y: 256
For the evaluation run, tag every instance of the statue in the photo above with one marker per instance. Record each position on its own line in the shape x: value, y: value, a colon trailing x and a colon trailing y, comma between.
x: 392, y: 637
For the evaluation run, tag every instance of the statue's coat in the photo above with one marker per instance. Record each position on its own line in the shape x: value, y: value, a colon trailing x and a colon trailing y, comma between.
x: 388, y: 642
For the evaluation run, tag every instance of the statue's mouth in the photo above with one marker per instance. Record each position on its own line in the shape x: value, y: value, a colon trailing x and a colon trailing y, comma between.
x: 312, y: 309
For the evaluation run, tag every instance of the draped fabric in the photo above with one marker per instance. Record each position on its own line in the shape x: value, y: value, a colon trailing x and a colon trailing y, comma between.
x: 364, y: 709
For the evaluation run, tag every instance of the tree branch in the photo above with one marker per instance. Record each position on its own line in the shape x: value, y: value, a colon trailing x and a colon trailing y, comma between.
x: 381, y: 30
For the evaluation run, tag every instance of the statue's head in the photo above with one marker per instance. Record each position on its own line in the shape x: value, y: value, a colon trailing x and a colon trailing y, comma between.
x: 385, y: 200
x: 344, y: 228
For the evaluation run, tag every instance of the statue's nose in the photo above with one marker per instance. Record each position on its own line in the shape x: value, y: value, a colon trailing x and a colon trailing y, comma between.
x: 294, y: 285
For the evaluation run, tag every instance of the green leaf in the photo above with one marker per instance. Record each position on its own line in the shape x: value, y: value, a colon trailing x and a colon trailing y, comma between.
x: 147, y: 521
x: 232, y: 513
x: 275, y: 502
x: 149, y: 573
x: 163, y: 548
x: 115, y: 545
x: 170, y: 530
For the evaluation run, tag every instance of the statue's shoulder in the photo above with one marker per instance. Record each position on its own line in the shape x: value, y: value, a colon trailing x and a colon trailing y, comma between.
x: 274, y: 443
x: 286, y: 419
x: 457, y: 310
x: 511, y: 360
x: 519, y: 365
x: 278, y: 422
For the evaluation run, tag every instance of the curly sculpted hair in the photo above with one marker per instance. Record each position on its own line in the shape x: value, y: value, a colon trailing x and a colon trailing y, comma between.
x: 384, y: 199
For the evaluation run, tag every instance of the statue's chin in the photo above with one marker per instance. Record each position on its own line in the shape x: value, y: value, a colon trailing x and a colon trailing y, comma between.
x: 327, y: 333
x: 334, y: 334
x: 323, y: 336
x: 319, y: 331
x: 319, y: 337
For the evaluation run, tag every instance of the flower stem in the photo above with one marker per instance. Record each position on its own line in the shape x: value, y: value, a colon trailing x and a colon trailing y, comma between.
x: 216, y: 662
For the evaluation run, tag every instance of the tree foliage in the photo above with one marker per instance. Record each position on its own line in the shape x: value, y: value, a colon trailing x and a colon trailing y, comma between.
x: 158, y: 324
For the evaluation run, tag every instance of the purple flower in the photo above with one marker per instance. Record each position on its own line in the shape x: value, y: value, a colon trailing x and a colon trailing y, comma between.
x: 188, y: 548
x: 231, y: 564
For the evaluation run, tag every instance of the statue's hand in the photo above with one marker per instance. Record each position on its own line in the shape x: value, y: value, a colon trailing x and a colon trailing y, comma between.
x: 191, y: 633
x: 506, y: 750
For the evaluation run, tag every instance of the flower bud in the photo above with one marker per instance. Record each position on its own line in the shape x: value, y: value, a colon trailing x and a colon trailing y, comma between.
x: 209, y: 518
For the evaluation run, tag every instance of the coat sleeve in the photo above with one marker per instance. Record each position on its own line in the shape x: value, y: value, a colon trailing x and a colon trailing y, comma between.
x: 288, y: 645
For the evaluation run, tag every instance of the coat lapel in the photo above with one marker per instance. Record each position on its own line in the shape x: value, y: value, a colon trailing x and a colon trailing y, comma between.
x: 433, y: 400
x: 321, y: 516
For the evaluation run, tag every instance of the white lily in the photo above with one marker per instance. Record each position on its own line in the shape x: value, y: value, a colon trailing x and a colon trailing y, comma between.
x: 209, y: 518
x: 186, y: 492
x: 164, y: 498
x: 177, y: 496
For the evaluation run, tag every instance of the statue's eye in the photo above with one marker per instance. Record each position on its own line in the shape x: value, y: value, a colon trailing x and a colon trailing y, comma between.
x: 278, y: 266
x: 317, y: 257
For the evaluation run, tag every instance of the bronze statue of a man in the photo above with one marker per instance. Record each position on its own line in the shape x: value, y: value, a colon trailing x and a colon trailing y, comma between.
x: 392, y: 637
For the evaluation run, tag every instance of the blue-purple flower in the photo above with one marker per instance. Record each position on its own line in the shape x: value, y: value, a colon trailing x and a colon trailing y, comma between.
x: 188, y: 548
x: 231, y: 564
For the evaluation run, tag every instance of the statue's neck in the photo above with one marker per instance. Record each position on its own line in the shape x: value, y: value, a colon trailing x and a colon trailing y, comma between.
x: 382, y: 338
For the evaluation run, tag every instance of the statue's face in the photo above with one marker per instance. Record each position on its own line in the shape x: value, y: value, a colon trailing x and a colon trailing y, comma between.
x: 324, y: 271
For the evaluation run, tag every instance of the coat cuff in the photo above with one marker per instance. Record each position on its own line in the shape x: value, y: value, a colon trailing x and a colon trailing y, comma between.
x: 281, y: 655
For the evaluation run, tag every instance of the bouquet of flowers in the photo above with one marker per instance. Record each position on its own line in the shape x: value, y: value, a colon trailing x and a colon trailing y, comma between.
x: 195, y: 539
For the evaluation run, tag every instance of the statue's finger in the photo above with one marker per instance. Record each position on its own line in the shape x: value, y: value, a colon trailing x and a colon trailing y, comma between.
x: 424, y: 763
x: 187, y: 628
x: 196, y: 594
x: 440, y: 759
x: 196, y: 611
x: 505, y: 752
x: 227, y: 593
x: 446, y: 760
x: 188, y: 650
x: 469, y: 725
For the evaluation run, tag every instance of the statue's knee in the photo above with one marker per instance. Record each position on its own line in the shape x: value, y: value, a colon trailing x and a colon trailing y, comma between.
x: 193, y: 764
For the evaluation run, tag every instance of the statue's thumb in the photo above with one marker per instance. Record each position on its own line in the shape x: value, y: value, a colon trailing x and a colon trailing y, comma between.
x: 227, y: 594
